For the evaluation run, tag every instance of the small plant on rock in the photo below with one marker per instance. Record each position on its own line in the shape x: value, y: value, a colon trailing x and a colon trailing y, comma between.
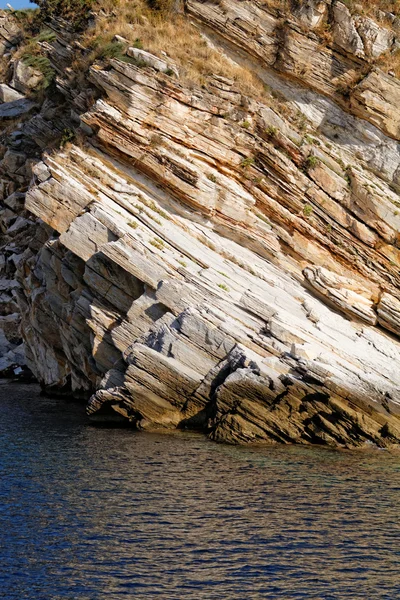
x: 307, y: 140
x: 47, y: 35
x: 311, y: 162
x: 112, y: 50
x: 247, y: 162
x: 271, y: 131
x: 42, y: 64
x: 212, y: 177
x: 77, y: 12
x: 67, y: 136
x: 157, y: 243
x: 307, y: 210
x: 223, y: 286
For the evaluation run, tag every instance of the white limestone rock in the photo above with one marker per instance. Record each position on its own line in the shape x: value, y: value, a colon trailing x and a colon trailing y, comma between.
x: 145, y: 58
x: 8, y: 94
x: 345, y: 33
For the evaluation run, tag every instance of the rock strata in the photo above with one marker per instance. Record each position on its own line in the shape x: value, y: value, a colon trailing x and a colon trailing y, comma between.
x: 184, y: 256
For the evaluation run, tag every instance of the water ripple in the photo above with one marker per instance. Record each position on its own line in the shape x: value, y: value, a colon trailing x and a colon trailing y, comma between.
x: 88, y: 513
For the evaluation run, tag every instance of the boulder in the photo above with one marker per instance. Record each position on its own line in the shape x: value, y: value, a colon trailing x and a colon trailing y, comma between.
x: 25, y: 78
x: 9, y: 94
x: 344, y: 31
x: 16, y: 109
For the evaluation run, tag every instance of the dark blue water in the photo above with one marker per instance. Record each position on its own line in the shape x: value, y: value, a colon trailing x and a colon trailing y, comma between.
x: 90, y: 513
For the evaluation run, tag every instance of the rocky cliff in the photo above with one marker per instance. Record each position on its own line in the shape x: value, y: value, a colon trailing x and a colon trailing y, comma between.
x: 214, y: 246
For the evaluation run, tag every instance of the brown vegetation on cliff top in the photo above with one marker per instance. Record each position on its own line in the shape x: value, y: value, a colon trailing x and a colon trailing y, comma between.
x: 156, y: 26
x: 159, y: 32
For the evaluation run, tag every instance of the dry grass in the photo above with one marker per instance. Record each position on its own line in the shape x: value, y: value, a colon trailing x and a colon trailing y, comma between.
x: 390, y: 62
x: 370, y: 8
x: 373, y: 7
x: 162, y: 31
x: 284, y: 6
x: 159, y: 31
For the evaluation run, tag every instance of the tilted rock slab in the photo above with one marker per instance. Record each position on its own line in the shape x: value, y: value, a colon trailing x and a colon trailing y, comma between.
x: 202, y: 264
x: 175, y: 332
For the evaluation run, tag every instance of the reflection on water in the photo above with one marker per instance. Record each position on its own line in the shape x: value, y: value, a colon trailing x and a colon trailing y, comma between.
x: 91, y: 513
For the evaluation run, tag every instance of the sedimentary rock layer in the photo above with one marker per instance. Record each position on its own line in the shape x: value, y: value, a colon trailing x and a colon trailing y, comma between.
x: 207, y: 260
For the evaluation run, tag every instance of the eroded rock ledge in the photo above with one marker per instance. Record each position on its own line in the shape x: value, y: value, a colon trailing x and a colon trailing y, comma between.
x: 203, y: 260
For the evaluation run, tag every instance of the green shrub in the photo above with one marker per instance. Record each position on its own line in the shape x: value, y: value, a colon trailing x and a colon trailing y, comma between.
x: 112, y: 50
x: 42, y: 64
x: 311, y: 162
x: 75, y: 11
x: 47, y: 35
x: 67, y: 136
x: 26, y: 15
x: 307, y: 139
x: 271, y: 131
x: 247, y: 162
x: 307, y: 210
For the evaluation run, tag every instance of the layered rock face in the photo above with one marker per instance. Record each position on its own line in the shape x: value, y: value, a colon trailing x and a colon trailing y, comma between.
x: 207, y: 260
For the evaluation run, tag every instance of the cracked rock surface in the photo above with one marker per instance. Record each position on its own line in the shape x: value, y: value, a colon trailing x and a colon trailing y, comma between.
x: 207, y: 260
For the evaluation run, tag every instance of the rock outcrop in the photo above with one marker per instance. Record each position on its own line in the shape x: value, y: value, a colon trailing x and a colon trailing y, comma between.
x: 204, y: 259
